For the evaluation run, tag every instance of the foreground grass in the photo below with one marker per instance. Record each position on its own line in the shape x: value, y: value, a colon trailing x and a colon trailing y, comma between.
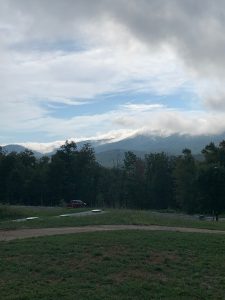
x: 9, y: 212
x: 114, y: 265
x: 113, y: 216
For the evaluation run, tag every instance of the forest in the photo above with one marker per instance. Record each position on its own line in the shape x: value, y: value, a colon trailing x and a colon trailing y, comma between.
x: 159, y: 181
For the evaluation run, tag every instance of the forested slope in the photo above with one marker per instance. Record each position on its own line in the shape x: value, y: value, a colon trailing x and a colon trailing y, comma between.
x: 158, y: 181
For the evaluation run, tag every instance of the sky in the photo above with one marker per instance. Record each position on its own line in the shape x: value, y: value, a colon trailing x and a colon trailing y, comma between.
x: 102, y: 69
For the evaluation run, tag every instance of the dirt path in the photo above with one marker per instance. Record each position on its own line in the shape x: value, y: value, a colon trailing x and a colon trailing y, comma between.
x: 7, y: 235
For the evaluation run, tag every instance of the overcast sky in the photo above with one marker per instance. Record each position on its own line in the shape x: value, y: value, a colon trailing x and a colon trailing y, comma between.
x: 110, y: 69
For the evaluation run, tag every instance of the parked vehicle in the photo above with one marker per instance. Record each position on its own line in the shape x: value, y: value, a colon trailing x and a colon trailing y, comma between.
x: 76, y: 204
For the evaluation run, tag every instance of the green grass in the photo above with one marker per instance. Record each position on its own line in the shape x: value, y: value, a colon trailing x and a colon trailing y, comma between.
x: 112, y: 216
x: 12, y: 212
x: 114, y: 265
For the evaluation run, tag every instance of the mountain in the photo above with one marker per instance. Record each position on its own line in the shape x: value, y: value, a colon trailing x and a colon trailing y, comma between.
x: 111, y: 154
x: 114, y: 158
x: 13, y: 148
x: 18, y: 149
x: 173, y: 144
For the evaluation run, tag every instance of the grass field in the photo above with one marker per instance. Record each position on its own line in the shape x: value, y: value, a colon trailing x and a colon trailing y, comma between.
x: 112, y: 216
x: 114, y: 265
x: 8, y: 212
x: 111, y: 265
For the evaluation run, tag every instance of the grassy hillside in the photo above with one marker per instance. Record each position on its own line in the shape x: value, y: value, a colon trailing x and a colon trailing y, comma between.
x: 11, y: 212
x: 49, y: 217
x: 114, y: 265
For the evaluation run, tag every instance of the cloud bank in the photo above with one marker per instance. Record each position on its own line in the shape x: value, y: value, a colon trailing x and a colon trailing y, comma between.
x: 76, y: 53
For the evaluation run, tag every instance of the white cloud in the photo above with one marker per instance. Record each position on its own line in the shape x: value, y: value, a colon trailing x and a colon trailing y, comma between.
x: 69, y: 52
x: 142, y: 106
x: 127, y: 122
x: 31, y: 79
x: 111, y: 136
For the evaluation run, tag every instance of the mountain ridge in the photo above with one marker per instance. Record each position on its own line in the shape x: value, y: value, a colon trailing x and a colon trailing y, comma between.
x: 112, y: 153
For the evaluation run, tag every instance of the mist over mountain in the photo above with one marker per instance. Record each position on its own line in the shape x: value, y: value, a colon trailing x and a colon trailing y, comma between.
x: 173, y: 144
x: 112, y: 153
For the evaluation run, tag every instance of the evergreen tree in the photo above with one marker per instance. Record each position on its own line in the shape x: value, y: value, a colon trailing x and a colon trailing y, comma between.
x: 185, y: 173
x: 211, y: 188
x: 159, y: 183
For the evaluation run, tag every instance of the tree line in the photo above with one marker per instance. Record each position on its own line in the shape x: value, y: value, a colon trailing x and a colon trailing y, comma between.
x: 159, y: 181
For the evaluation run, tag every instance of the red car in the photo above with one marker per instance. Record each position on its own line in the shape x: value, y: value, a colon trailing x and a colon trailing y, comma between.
x: 76, y: 204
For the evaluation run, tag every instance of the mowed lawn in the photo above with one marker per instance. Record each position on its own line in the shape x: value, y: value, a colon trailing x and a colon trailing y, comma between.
x: 114, y: 265
x: 49, y: 217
